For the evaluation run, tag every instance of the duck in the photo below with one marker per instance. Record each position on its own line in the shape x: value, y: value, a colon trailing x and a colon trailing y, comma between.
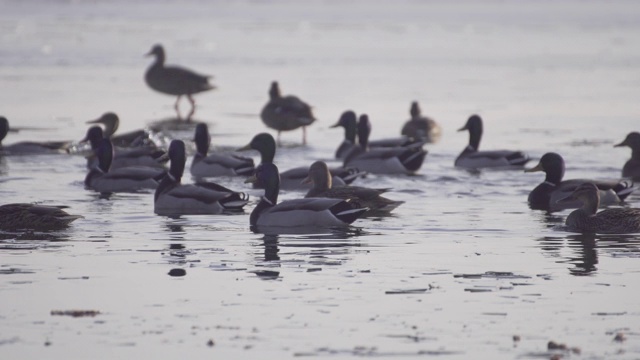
x: 291, y: 179
x: 285, y: 113
x: 631, y: 168
x: 29, y: 147
x: 124, y: 157
x: 320, y: 177
x: 127, y: 179
x: 22, y: 216
x: 174, y: 198
x: 586, y: 219
x: 174, y: 80
x: 306, y: 212
x: 111, y: 123
x: 392, y: 160
x: 545, y: 196
x: 421, y: 127
x: 472, y: 158
x: 209, y: 165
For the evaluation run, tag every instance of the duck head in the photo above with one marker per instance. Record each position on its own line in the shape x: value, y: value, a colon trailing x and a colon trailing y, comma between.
x: 553, y: 166
x: 177, y: 156
x: 104, y: 153
x: 267, y: 176
x: 158, y: 51
x: 589, y: 195
x: 474, y: 126
x: 274, y: 90
x: 110, y: 121
x: 4, y: 127
x: 94, y: 137
x: 349, y: 123
x: 202, y: 139
x: 263, y: 143
x: 633, y: 141
x: 319, y: 175
x: 364, y: 129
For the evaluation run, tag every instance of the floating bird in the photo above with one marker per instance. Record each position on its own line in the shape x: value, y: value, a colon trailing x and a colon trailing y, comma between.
x: 204, y: 165
x: 393, y: 160
x: 174, y: 198
x: 309, y: 212
x: 546, y: 195
x: 609, y: 221
x: 34, y: 217
x: 174, y: 80
x: 136, y: 138
x: 472, y: 158
x: 631, y: 168
x: 421, y: 127
x: 127, y: 179
x: 29, y: 147
x: 285, y: 113
x: 142, y: 156
x: 320, y: 177
x: 291, y: 179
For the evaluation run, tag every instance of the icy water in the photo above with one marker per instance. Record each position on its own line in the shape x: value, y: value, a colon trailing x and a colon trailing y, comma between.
x: 463, y: 270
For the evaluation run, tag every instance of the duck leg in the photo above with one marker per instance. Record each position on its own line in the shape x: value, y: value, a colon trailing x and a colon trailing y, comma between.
x: 304, y: 135
x: 177, y: 107
x: 193, y: 107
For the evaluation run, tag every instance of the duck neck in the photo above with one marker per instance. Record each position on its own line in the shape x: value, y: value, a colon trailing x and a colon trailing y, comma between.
x: 110, y: 128
x: 167, y: 183
x: 635, y: 152
x: 159, y: 59
x: 475, y: 135
x: 554, y: 174
x: 4, y: 129
x: 350, y: 131
x: 176, y: 168
x: 269, y: 200
x: 203, y: 141
x: 590, y: 203
x: 267, y: 153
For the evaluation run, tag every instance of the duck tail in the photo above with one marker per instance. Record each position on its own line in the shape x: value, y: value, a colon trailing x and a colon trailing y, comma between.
x: 347, y: 212
x: 245, y: 170
x: 235, y: 201
x: 413, y: 158
x: 624, y: 188
x: 517, y: 158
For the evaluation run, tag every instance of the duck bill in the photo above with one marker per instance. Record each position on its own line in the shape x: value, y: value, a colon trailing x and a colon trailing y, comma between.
x: 464, y: 128
x: 566, y: 199
x: 335, y: 125
x: 534, y: 169
x: 96, y: 121
x: 244, y: 148
x: 624, y: 143
x: 251, y: 179
x: 306, y: 180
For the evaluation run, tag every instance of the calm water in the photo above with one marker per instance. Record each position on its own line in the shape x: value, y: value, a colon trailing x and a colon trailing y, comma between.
x: 459, y: 270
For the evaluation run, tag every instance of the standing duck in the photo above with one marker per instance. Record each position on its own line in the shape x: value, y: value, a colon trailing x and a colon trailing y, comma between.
x: 34, y: 217
x: 285, y: 113
x: 320, y: 177
x: 128, y: 179
x: 291, y: 179
x: 310, y: 212
x: 631, y: 168
x: 546, y: 195
x: 142, y: 156
x: 174, y: 80
x: 29, y: 147
x: 421, y: 127
x: 610, y: 221
x: 472, y: 158
x: 210, y: 165
x: 173, y: 198
x: 392, y: 160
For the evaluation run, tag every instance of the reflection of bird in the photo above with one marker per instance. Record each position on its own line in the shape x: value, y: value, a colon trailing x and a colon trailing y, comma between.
x: 285, y: 113
x: 174, y: 80
x: 392, y: 160
x: 137, y: 156
x: 609, y: 221
x: 320, y: 177
x: 631, y: 168
x: 205, y: 165
x: 421, y: 127
x: 34, y: 217
x: 546, y: 195
x: 472, y: 158
x: 29, y: 147
x: 111, y: 122
x: 174, y: 198
x: 290, y: 179
x: 127, y: 179
x: 311, y: 212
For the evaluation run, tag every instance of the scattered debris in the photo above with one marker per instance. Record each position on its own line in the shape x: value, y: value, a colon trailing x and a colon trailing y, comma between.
x: 177, y: 272
x: 75, y: 313
x: 619, y: 337
x: 210, y: 343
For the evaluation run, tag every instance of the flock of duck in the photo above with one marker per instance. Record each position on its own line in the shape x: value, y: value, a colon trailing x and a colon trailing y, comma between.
x: 132, y: 162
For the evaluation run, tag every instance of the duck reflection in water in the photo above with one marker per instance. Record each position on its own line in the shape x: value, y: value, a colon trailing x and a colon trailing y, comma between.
x: 583, y: 255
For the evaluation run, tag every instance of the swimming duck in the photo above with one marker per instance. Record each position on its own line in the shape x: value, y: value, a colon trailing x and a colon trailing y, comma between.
x: 472, y: 158
x: 29, y: 147
x: 631, y: 168
x: 34, y: 217
x: 136, y: 138
x: 141, y: 156
x: 320, y: 177
x: 546, y: 195
x: 609, y: 221
x: 174, y: 198
x: 308, y: 212
x: 291, y: 179
x: 174, y: 80
x: 285, y: 113
x: 128, y: 179
x: 393, y: 160
x: 421, y: 127
x: 204, y: 165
